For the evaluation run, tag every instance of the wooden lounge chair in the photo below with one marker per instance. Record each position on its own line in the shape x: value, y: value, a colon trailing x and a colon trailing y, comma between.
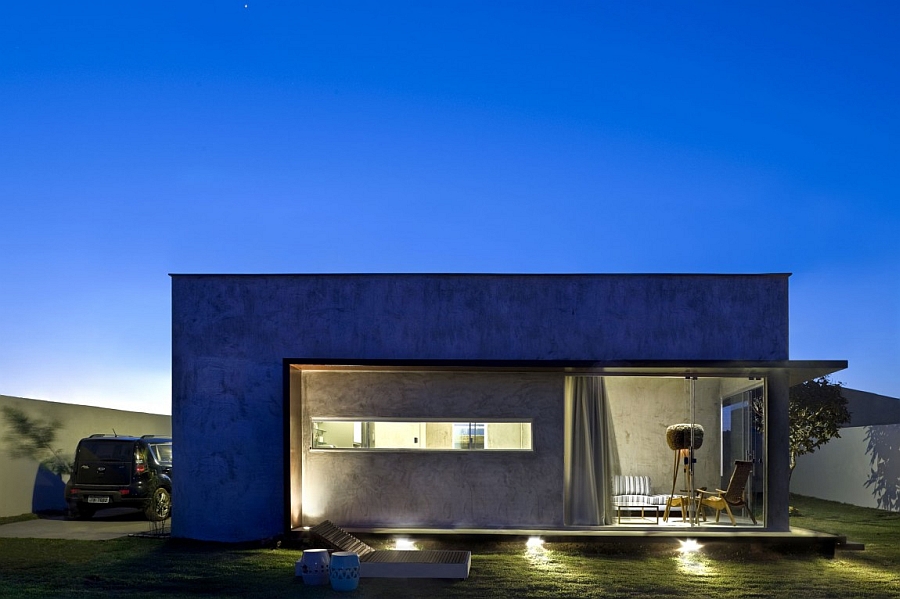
x: 733, y: 496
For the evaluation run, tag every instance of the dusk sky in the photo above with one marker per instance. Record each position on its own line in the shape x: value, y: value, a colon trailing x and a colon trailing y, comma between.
x: 139, y: 139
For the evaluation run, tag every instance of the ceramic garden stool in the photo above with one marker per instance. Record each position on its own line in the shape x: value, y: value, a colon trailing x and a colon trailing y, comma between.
x: 313, y: 566
x: 344, y: 570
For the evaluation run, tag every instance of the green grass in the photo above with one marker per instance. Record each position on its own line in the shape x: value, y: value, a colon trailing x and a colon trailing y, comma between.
x: 150, y: 568
x: 22, y: 518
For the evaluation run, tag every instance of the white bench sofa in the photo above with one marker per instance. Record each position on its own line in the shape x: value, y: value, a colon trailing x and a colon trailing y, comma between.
x: 635, y: 490
x: 631, y: 491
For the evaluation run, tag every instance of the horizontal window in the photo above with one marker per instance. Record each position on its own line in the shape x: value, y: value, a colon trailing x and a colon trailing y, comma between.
x: 444, y: 435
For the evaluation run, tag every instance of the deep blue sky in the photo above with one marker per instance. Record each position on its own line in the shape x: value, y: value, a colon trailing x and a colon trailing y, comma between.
x: 143, y: 138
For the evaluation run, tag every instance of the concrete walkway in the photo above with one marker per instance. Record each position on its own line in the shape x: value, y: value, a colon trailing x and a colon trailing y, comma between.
x: 107, y: 524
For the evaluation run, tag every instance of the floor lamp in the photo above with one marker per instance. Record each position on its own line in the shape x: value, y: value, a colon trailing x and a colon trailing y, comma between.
x: 683, y: 439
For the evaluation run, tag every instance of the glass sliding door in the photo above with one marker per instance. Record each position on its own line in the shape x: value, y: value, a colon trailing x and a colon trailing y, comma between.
x: 742, y: 440
x: 468, y: 435
x: 671, y: 437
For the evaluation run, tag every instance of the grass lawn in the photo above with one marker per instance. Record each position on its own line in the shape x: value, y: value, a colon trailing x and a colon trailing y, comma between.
x: 144, y: 568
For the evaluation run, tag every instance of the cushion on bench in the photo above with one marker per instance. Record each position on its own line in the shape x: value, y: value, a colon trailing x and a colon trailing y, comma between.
x: 631, y: 485
x: 635, y: 490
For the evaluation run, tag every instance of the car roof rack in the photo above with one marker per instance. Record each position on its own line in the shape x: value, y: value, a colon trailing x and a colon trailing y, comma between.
x: 101, y: 435
x: 154, y: 437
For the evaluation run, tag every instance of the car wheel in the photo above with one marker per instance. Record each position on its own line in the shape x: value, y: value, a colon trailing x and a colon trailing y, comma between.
x: 160, y: 505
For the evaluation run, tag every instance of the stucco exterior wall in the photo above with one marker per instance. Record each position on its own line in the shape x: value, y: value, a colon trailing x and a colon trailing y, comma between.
x: 231, y: 333
x: 437, y: 488
x: 840, y: 469
x: 24, y: 487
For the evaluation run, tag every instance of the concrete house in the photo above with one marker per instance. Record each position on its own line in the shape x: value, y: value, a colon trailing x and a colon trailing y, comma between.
x: 460, y: 401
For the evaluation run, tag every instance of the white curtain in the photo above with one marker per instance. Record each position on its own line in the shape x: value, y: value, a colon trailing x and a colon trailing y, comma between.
x: 586, y: 462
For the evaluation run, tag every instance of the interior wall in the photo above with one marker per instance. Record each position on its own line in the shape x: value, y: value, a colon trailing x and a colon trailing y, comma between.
x: 435, y: 488
x: 506, y: 434
x: 405, y: 435
x: 339, y: 434
x: 439, y: 435
x: 640, y: 410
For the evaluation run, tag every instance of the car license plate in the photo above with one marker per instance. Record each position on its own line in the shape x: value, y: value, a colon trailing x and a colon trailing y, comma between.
x: 96, y: 499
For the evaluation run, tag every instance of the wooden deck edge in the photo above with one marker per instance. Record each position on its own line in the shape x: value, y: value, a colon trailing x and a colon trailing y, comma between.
x: 795, y: 540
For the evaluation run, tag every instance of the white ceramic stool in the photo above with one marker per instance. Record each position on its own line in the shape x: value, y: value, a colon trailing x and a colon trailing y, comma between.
x: 344, y: 570
x: 313, y: 566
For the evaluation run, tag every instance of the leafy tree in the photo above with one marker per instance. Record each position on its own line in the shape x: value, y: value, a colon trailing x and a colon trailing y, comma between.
x: 33, y: 438
x: 816, y: 411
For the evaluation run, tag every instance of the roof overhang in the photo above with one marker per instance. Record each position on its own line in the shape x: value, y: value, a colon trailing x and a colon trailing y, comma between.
x: 799, y: 371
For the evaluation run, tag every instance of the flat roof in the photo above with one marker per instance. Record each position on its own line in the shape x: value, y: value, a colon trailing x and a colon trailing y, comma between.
x: 486, y: 274
x: 799, y: 371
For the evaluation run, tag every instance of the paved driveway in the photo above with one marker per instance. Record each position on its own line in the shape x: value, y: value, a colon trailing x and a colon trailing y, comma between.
x: 105, y: 525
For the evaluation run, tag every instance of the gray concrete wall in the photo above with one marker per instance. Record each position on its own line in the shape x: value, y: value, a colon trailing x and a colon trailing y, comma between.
x: 23, y: 486
x: 868, y: 409
x: 231, y: 332
x: 777, y: 457
x: 435, y: 488
x: 641, y: 408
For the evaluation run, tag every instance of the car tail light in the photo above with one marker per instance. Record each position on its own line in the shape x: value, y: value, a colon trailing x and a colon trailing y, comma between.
x: 74, y: 491
x: 139, y: 466
x: 124, y: 491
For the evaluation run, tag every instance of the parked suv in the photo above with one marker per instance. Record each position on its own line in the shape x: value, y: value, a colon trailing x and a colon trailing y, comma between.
x: 113, y: 471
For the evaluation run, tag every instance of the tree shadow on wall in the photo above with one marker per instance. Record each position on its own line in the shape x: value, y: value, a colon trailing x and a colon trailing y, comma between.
x: 884, y: 478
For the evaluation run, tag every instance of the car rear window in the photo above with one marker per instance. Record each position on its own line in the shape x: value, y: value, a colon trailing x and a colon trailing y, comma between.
x: 163, y: 452
x: 106, y: 451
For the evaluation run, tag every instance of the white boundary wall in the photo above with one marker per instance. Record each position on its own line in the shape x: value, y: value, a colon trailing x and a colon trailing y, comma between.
x: 22, y: 486
x: 838, y: 470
